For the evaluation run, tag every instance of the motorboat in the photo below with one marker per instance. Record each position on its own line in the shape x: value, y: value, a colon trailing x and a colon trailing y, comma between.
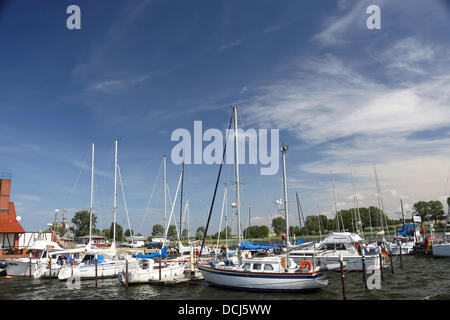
x: 406, y: 237
x: 349, y: 246
x: 442, y: 248
x: 40, y: 252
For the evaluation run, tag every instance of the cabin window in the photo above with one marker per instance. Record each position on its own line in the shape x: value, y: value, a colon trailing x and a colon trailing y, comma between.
x: 44, y: 255
x: 257, y: 266
x: 246, y: 266
x: 268, y: 267
x: 340, y: 246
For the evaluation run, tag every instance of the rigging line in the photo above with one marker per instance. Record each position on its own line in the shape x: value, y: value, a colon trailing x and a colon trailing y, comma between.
x: 78, y: 178
x: 125, y: 203
x: 170, y: 203
x: 147, y: 206
x: 215, y: 189
x: 258, y: 176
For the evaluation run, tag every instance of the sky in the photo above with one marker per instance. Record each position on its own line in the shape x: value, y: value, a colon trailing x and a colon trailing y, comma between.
x: 338, y: 92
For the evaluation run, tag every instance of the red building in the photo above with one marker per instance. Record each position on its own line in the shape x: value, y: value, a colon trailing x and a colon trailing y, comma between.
x: 10, y: 228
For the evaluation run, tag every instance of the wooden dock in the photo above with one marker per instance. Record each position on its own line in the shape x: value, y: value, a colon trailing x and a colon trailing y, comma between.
x: 179, y: 280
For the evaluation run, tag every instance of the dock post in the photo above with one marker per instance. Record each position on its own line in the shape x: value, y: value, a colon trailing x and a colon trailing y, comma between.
x: 96, y: 272
x: 30, y: 264
x: 50, y: 264
x: 191, y: 260
x: 391, y: 258
x: 381, y: 263
x: 401, y: 254
x: 126, y: 273
x: 160, y: 268
x: 342, y: 277
x: 363, y: 258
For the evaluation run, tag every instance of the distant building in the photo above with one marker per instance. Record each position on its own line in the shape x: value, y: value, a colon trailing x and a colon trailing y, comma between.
x: 10, y: 229
x: 97, y: 241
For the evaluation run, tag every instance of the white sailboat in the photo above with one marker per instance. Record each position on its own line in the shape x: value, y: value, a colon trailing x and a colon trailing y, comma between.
x: 442, y: 248
x: 99, y: 263
x: 146, y: 268
x: 274, y: 274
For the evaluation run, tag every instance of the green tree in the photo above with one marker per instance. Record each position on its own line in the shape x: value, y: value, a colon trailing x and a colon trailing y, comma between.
x: 81, y: 223
x: 172, y: 232
x: 119, y: 232
x: 158, y: 230
x: 436, y: 210
x: 200, y: 233
x: 256, y: 232
x: 295, y: 231
x: 105, y: 233
x: 422, y: 208
x: 128, y: 232
x: 279, y: 225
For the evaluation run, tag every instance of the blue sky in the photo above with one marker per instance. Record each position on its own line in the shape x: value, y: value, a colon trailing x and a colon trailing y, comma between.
x: 137, y: 70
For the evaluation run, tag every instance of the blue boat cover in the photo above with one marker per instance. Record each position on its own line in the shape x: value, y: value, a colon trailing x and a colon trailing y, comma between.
x: 300, y: 241
x: 256, y: 246
x: 403, y: 230
x: 153, y: 255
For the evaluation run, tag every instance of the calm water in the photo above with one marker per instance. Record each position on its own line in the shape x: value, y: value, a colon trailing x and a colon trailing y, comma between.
x: 422, y: 277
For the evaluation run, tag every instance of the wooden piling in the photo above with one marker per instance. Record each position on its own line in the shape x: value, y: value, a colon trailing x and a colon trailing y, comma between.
x: 401, y: 254
x: 391, y: 256
x: 50, y: 265
x: 96, y: 272
x: 30, y: 264
x: 126, y: 273
x: 159, y: 268
x: 363, y: 258
x: 381, y: 263
x: 342, y: 277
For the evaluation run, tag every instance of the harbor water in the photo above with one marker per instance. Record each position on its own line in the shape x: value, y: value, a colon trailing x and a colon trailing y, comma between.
x: 421, y: 278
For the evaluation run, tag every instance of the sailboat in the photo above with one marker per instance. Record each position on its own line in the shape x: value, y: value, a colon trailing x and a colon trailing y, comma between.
x: 262, y: 274
x: 99, y: 263
x: 146, y: 268
x: 442, y: 249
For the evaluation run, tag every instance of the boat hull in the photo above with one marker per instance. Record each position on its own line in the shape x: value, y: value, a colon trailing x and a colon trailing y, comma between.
x: 87, y: 272
x: 256, y: 281
x: 352, y: 263
x: 441, y: 250
x: 138, y: 275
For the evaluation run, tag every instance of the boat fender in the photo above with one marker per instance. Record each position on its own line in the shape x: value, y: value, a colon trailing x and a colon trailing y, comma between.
x: 2, y: 264
x: 306, y: 262
x: 212, y: 264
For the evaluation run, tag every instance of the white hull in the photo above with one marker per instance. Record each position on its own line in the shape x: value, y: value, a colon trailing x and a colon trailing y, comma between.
x: 261, y: 281
x: 87, y: 272
x: 20, y: 267
x: 407, y: 248
x: 352, y: 263
x: 138, y: 275
x: 441, y: 250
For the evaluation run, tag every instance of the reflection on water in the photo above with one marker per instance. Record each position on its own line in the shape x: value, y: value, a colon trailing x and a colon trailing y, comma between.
x: 422, y: 277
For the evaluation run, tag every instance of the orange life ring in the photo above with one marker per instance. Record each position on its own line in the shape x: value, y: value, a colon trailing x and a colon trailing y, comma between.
x: 302, y: 264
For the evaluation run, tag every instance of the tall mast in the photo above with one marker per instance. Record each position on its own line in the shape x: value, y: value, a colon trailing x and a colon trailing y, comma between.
x: 335, y: 202
x: 355, y: 199
x: 115, y: 192
x: 165, y: 192
x: 92, y: 195
x: 286, y: 209
x: 236, y: 172
x: 181, y: 202
x: 403, y: 214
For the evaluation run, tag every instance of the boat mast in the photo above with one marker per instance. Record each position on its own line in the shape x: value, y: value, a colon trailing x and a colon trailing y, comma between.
x: 403, y: 214
x: 165, y: 192
x: 236, y: 172
x: 335, y: 202
x: 92, y: 195
x: 115, y: 193
x: 286, y: 208
x: 181, y: 202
